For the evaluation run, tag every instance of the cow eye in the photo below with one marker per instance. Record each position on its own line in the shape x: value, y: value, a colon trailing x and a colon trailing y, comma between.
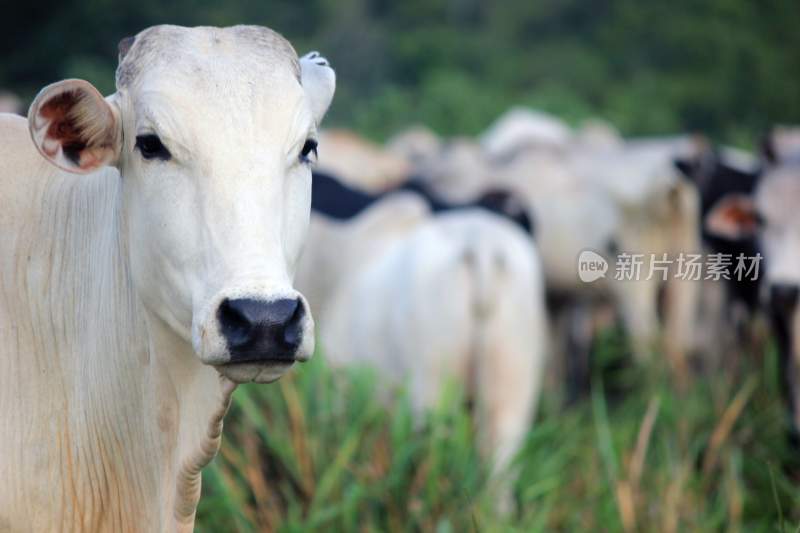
x: 310, y: 147
x: 150, y: 147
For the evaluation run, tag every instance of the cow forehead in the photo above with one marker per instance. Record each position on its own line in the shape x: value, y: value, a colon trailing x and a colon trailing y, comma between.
x: 251, y: 52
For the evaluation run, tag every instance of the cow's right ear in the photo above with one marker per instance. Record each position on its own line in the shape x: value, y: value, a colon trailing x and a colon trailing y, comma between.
x: 74, y: 127
x: 733, y: 217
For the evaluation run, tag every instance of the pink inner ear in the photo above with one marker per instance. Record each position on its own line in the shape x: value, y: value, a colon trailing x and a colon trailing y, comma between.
x: 734, y: 218
x: 62, y: 128
x: 740, y: 216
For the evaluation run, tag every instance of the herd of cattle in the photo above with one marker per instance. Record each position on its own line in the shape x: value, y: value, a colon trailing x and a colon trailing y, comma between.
x: 150, y: 260
x: 431, y: 258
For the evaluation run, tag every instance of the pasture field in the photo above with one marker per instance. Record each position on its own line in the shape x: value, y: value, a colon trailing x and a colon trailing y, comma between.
x: 322, y: 450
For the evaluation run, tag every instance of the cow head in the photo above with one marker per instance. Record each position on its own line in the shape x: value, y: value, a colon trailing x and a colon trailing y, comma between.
x: 213, y: 131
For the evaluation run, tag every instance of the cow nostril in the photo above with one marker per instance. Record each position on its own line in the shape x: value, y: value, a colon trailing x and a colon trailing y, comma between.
x: 292, y: 332
x: 235, y: 325
x: 258, y: 330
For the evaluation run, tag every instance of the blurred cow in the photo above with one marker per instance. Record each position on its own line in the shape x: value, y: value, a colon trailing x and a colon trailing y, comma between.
x: 361, y: 163
x: 522, y: 128
x: 599, y: 193
x: 418, y: 145
x: 571, y: 215
x: 769, y: 214
x: 729, y: 305
x: 428, y: 299
x: 10, y: 103
x: 589, y: 191
x: 659, y: 214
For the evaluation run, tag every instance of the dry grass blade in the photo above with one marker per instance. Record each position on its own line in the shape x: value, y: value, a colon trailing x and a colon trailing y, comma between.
x: 238, y: 492
x: 626, y: 505
x: 299, y: 431
x: 672, y: 501
x: 725, y: 425
x: 734, y: 496
x: 643, y: 443
x: 266, y: 501
x: 627, y: 490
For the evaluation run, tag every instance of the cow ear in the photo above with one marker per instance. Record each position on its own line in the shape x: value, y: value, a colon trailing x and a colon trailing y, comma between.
x: 686, y: 167
x: 733, y: 217
x: 74, y: 127
x: 768, y: 152
x: 319, y: 82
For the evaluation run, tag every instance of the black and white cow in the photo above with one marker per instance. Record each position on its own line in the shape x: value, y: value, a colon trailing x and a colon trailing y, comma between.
x: 768, y: 217
x: 332, y: 198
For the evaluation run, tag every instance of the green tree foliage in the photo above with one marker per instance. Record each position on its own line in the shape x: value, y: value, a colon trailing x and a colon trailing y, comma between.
x: 726, y: 67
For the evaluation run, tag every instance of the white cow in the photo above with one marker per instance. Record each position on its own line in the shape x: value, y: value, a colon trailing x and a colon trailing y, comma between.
x: 658, y: 213
x: 521, y: 128
x: 141, y: 276
x: 457, y: 296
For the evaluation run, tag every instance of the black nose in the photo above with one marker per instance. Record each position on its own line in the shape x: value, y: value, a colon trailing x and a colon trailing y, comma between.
x: 259, y: 331
x: 783, y: 297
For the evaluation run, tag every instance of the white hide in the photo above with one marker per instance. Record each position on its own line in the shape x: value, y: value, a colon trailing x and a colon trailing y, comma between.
x: 776, y: 201
x: 418, y: 145
x: 10, y: 103
x: 110, y: 275
x: 605, y: 195
x: 570, y: 214
x: 460, y: 172
x: 597, y: 134
x: 458, y: 297
x: 520, y: 129
x: 658, y: 213
x: 336, y: 248
x: 359, y: 162
x: 785, y: 143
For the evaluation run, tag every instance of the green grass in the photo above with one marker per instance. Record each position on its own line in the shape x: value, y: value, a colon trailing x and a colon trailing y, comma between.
x: 325, y: 450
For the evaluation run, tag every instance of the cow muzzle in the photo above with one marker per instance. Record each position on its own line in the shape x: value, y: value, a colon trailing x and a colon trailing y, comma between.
x: 258, y: 331
x: 258, y: 339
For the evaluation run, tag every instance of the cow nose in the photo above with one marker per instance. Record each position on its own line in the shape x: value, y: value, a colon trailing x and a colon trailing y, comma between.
x: 783, y: 296
x: 258, y: 331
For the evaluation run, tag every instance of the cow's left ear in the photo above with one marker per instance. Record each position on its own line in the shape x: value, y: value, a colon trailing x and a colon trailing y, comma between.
x: 74, y: 127
x: 319, y: 82
x: 733, y: 217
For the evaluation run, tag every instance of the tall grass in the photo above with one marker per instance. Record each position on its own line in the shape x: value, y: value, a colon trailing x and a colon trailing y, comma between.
x: 337, y: 451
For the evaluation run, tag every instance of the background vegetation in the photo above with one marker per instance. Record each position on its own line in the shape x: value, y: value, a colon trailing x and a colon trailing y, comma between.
x: 725, y: 67
x: 319, y: 452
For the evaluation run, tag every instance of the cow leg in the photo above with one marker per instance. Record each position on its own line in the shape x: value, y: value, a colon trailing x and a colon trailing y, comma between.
x: 792, y: 371
x: 786, y: 331
x: 508, y: 374
x: 638, y: 304
x: 580, y: 336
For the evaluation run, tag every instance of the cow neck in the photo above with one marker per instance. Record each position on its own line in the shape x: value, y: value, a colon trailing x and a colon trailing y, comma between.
x: 192, y: 400
x: 142, y: 415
